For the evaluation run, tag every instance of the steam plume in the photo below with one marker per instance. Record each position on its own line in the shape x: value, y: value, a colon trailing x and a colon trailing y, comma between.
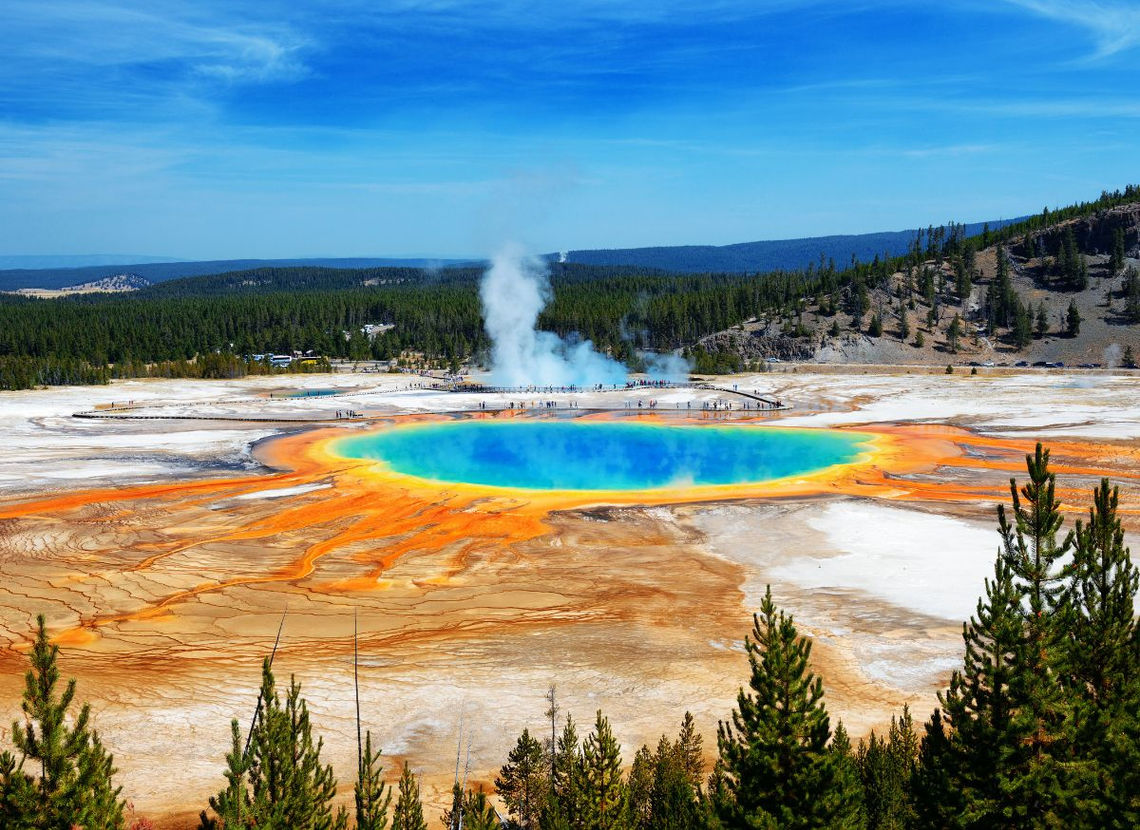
x: 514, y: 291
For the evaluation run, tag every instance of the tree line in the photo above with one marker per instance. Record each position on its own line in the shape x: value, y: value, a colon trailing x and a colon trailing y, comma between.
x: 437, y: 316
x: 1039, y: 727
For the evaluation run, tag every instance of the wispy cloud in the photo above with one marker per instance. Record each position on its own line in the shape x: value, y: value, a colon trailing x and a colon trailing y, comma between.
x: 1114, y: 26
x: 195, y: 38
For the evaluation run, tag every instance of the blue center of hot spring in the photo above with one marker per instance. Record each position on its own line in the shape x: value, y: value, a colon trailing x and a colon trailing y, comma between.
x: 569, y: 455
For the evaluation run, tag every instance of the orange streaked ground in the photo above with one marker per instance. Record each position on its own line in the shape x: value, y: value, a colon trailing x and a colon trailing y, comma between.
x: 175, y: 586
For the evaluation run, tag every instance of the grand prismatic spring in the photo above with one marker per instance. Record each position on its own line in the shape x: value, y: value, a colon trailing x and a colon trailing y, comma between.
x: 568, y: 455
x: 491, y: 546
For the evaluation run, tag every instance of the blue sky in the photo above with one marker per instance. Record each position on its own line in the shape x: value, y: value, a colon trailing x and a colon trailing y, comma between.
x: 223, y: 128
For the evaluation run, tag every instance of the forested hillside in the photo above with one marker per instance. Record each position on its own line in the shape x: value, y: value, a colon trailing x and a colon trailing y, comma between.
x: 1040, y: 284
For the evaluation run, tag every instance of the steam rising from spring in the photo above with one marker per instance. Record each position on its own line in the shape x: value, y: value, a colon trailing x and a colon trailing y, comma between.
x: 514, y: 291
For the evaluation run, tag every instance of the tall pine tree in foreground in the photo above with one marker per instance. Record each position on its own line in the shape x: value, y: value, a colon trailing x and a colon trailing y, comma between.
x: 408, y: 813
x: 564, y: 803
x: 1102, y: 664
x: 976, y: 744
x: 371, y: 795
x: 522, y: 781
x: 1039, y: 727
x: 63, y: 777
x: 604, y: 794
x: 288, y: 786
x: 1046, y: 784
x: 775, y: 765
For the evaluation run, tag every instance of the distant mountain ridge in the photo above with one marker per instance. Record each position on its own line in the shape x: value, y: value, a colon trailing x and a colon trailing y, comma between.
x: 39, y: 261
x: 742, y: 257
x: 16, y: 278
x: 770, y: 255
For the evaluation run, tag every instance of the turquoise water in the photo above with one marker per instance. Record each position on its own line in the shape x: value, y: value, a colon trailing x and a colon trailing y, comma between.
x: 315, y: 393
x: 568, y: 455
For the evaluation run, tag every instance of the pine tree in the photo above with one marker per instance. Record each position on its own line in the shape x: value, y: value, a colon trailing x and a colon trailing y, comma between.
x: 1022, y: 328
x: 1130, y: 287
x: 965, y: 770
x: 522, y: 781
x: 953, y: 333
x: 1033, y: 554
x: 478, y: 813
x: 1073, y: 320
x: 408, y: 813
x: 453, y: 816
x: 641, y: 776
x: 288, y: 785
x: 1042, y: 321
x: 1102, y: 588
x: 690, y: 752
x: 232, y: 806
x: 371, y: 795
x: 847, y: 773
x: 774, y: 757
x: 604, y: 792
x: 75, y: 784
x: 673, y: 801
x: 887, y: 769
x: 564, y: 804
x: 1101, y: 659
x: 1116, y: 258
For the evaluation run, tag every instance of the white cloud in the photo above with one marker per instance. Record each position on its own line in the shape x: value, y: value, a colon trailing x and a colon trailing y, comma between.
x: 1115, y: 26
x: 205, y: 39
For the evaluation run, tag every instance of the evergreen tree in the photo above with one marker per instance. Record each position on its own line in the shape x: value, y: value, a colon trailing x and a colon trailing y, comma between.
x: 1102, y: 661
x: 1073, y: 320
x: 887, y: 770
x: 1042, y: 321
x: 604, y: 792
x: 963, y: 284
x: 690, y: 752
x: 641, y: 776
x: 453, y: 816
x: 232, y: 806
x: 964, y: 780
x: 848, y: 774
x: 953, y: 333
x: 1130, y: 287
x: 1116, y: 258
x: 288, y: 785
x: 1071, y: 262
x: 774, y: 759
x: 371, y: 795
x: 75, y: 781
x: 478, y: 813
x: 1033, y: 554
x: 408, y: 814
x: 1129, y: 359
x: 1022, y: 329
x: 673, y: 802
x: 565, y: 805
x: 522, y: 781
